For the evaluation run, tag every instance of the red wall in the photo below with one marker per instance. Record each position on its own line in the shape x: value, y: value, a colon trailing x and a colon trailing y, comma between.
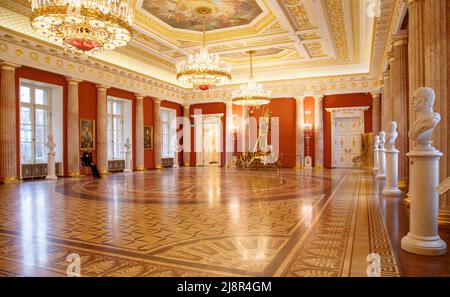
x: 344, y: 100
x: 284, y: 109
x: 148, y: 121
x: 87, y: 106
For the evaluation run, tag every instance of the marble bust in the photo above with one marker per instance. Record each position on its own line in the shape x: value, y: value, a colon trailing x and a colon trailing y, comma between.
x: 426, y: 120
x: 376, y: 142
x: 382, y: 139
x: 50, y: 144
x: 391, y: 135
x: 127, y: 144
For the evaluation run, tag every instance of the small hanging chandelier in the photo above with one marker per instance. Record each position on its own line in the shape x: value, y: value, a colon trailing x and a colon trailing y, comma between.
x: 251, y: 94
x: 83, y: 26
x: 203, y: 70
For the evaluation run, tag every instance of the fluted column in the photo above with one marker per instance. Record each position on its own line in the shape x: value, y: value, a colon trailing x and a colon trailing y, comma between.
x: 157, y: 131
x: 392, y: 78
x: 139, y: 149
x: 300, y: 137
x: 8, y: 127
x: 73, y: 127
x: 318, y: 131
x: 386, y: 102
x: 229, y: 133
x: 400, y: 100
x: 376, y: 113
x: 186, y: 136
x: 102, y: 130
x: 437, y: 77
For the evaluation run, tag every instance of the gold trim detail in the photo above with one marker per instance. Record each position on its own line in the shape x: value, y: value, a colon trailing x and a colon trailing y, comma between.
x: 9, y: 179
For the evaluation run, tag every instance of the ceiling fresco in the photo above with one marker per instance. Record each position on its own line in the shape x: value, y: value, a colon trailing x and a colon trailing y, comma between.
x: 181, y: 14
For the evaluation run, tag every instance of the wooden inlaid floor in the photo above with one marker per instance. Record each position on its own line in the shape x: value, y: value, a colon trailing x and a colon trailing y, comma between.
x: 198, y: 222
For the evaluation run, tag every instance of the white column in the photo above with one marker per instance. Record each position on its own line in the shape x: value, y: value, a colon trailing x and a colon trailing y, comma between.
x: 229, y: 133
x: 318, y: 133
x: 300, y: 136
x: 186, y: 136
x: 73, y: 127
x: 381, y: 157
x: 386, y: 103
x: 157, y: 131
x: 8, y: 127
x: 376, y: 113
x: 139, y: 149
x: 102, y: 130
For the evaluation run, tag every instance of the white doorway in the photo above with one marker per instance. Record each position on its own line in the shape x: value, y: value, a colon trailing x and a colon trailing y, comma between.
x: 208, y: 139
x: 347, y: 128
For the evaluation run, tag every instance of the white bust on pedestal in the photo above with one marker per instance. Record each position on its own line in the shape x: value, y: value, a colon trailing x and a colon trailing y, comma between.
x: 381, y: 157
x: 376, y: 142
x: 127, y: 146
x: 391, y: 187
x: 51, y: 170
x: 423, y: 237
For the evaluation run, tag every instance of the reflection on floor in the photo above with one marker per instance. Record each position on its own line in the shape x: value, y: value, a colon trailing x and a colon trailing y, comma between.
x: 199, y: 222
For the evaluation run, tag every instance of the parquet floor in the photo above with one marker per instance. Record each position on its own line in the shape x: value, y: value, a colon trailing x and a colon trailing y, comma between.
x: 196, y: 222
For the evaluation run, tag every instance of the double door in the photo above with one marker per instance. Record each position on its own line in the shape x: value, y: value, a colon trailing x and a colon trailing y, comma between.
x: 347, y: 141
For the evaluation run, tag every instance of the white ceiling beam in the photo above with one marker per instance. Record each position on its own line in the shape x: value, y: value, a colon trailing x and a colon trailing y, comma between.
x: 285, y: 23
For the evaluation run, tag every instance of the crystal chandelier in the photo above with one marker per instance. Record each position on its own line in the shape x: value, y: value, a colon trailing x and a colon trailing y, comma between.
x: 203, y: 70
x: 83, y: 26
x: 251, y: 94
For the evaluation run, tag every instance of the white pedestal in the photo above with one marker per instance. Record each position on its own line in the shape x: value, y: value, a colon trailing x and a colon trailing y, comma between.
x: 391, y: 188
x: 127, y: 163
x: 381, y: 164
x: 375, y: 161
x: 51, y: 174
x: 423, y: 237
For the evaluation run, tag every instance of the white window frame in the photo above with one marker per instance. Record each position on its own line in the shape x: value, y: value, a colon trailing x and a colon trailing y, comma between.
x: 171, y: 137
x: 33, y: 106
x: 111, y: 116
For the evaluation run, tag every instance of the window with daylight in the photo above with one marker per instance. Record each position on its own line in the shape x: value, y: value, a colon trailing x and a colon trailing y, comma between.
x: 35, y: 123
x: 115, y: 129
x: 168, y: 132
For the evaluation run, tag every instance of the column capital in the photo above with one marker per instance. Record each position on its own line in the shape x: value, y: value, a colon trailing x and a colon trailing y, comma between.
x: 390, y: 57
x: 318, y: 97
x: 72, y: 80
x: 413, y: 2
x: 300, y: 98
x: 157, y: 100
x: 376, y: 95
x: 139, y: 96
x: 8, y: 66
x: 399, y: 39
x: 102, y: 87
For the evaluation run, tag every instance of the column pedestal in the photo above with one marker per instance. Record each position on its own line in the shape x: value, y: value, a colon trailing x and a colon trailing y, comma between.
x: 127, y: 163
x: 423, y: 237
x: 376, y: 162
x: 381, y: 164
x: 391, y: 188
x: 51, y: 167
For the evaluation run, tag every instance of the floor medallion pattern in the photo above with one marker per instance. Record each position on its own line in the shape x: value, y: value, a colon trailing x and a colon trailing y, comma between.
x: 195, y: 222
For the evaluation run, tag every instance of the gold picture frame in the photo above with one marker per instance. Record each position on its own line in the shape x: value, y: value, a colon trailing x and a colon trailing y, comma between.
x: 148, y: 138
x: 87, y: 134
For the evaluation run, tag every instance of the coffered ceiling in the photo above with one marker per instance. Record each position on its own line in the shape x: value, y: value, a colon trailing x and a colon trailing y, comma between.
x: 294, y: 38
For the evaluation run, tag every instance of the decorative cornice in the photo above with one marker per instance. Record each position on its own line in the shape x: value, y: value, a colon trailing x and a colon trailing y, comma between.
x: 347, y: 109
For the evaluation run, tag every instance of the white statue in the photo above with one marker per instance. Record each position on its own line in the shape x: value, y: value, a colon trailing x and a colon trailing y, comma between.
x: 51, y: 170
x: 127, y: 146
x: 392, y: 135
x: 376, y: 142
x: 50, y: 144
x: 426, y: 120
x: 382, y: 140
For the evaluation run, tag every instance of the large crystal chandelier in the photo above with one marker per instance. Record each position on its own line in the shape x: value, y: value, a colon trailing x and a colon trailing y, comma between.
x: 203, y: 70
x: 251, y: 94
x: 83, y: 26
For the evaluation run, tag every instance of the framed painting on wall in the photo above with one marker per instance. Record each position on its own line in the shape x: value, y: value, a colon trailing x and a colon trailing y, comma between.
x: 148, y: 137
x: 87, y: 134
